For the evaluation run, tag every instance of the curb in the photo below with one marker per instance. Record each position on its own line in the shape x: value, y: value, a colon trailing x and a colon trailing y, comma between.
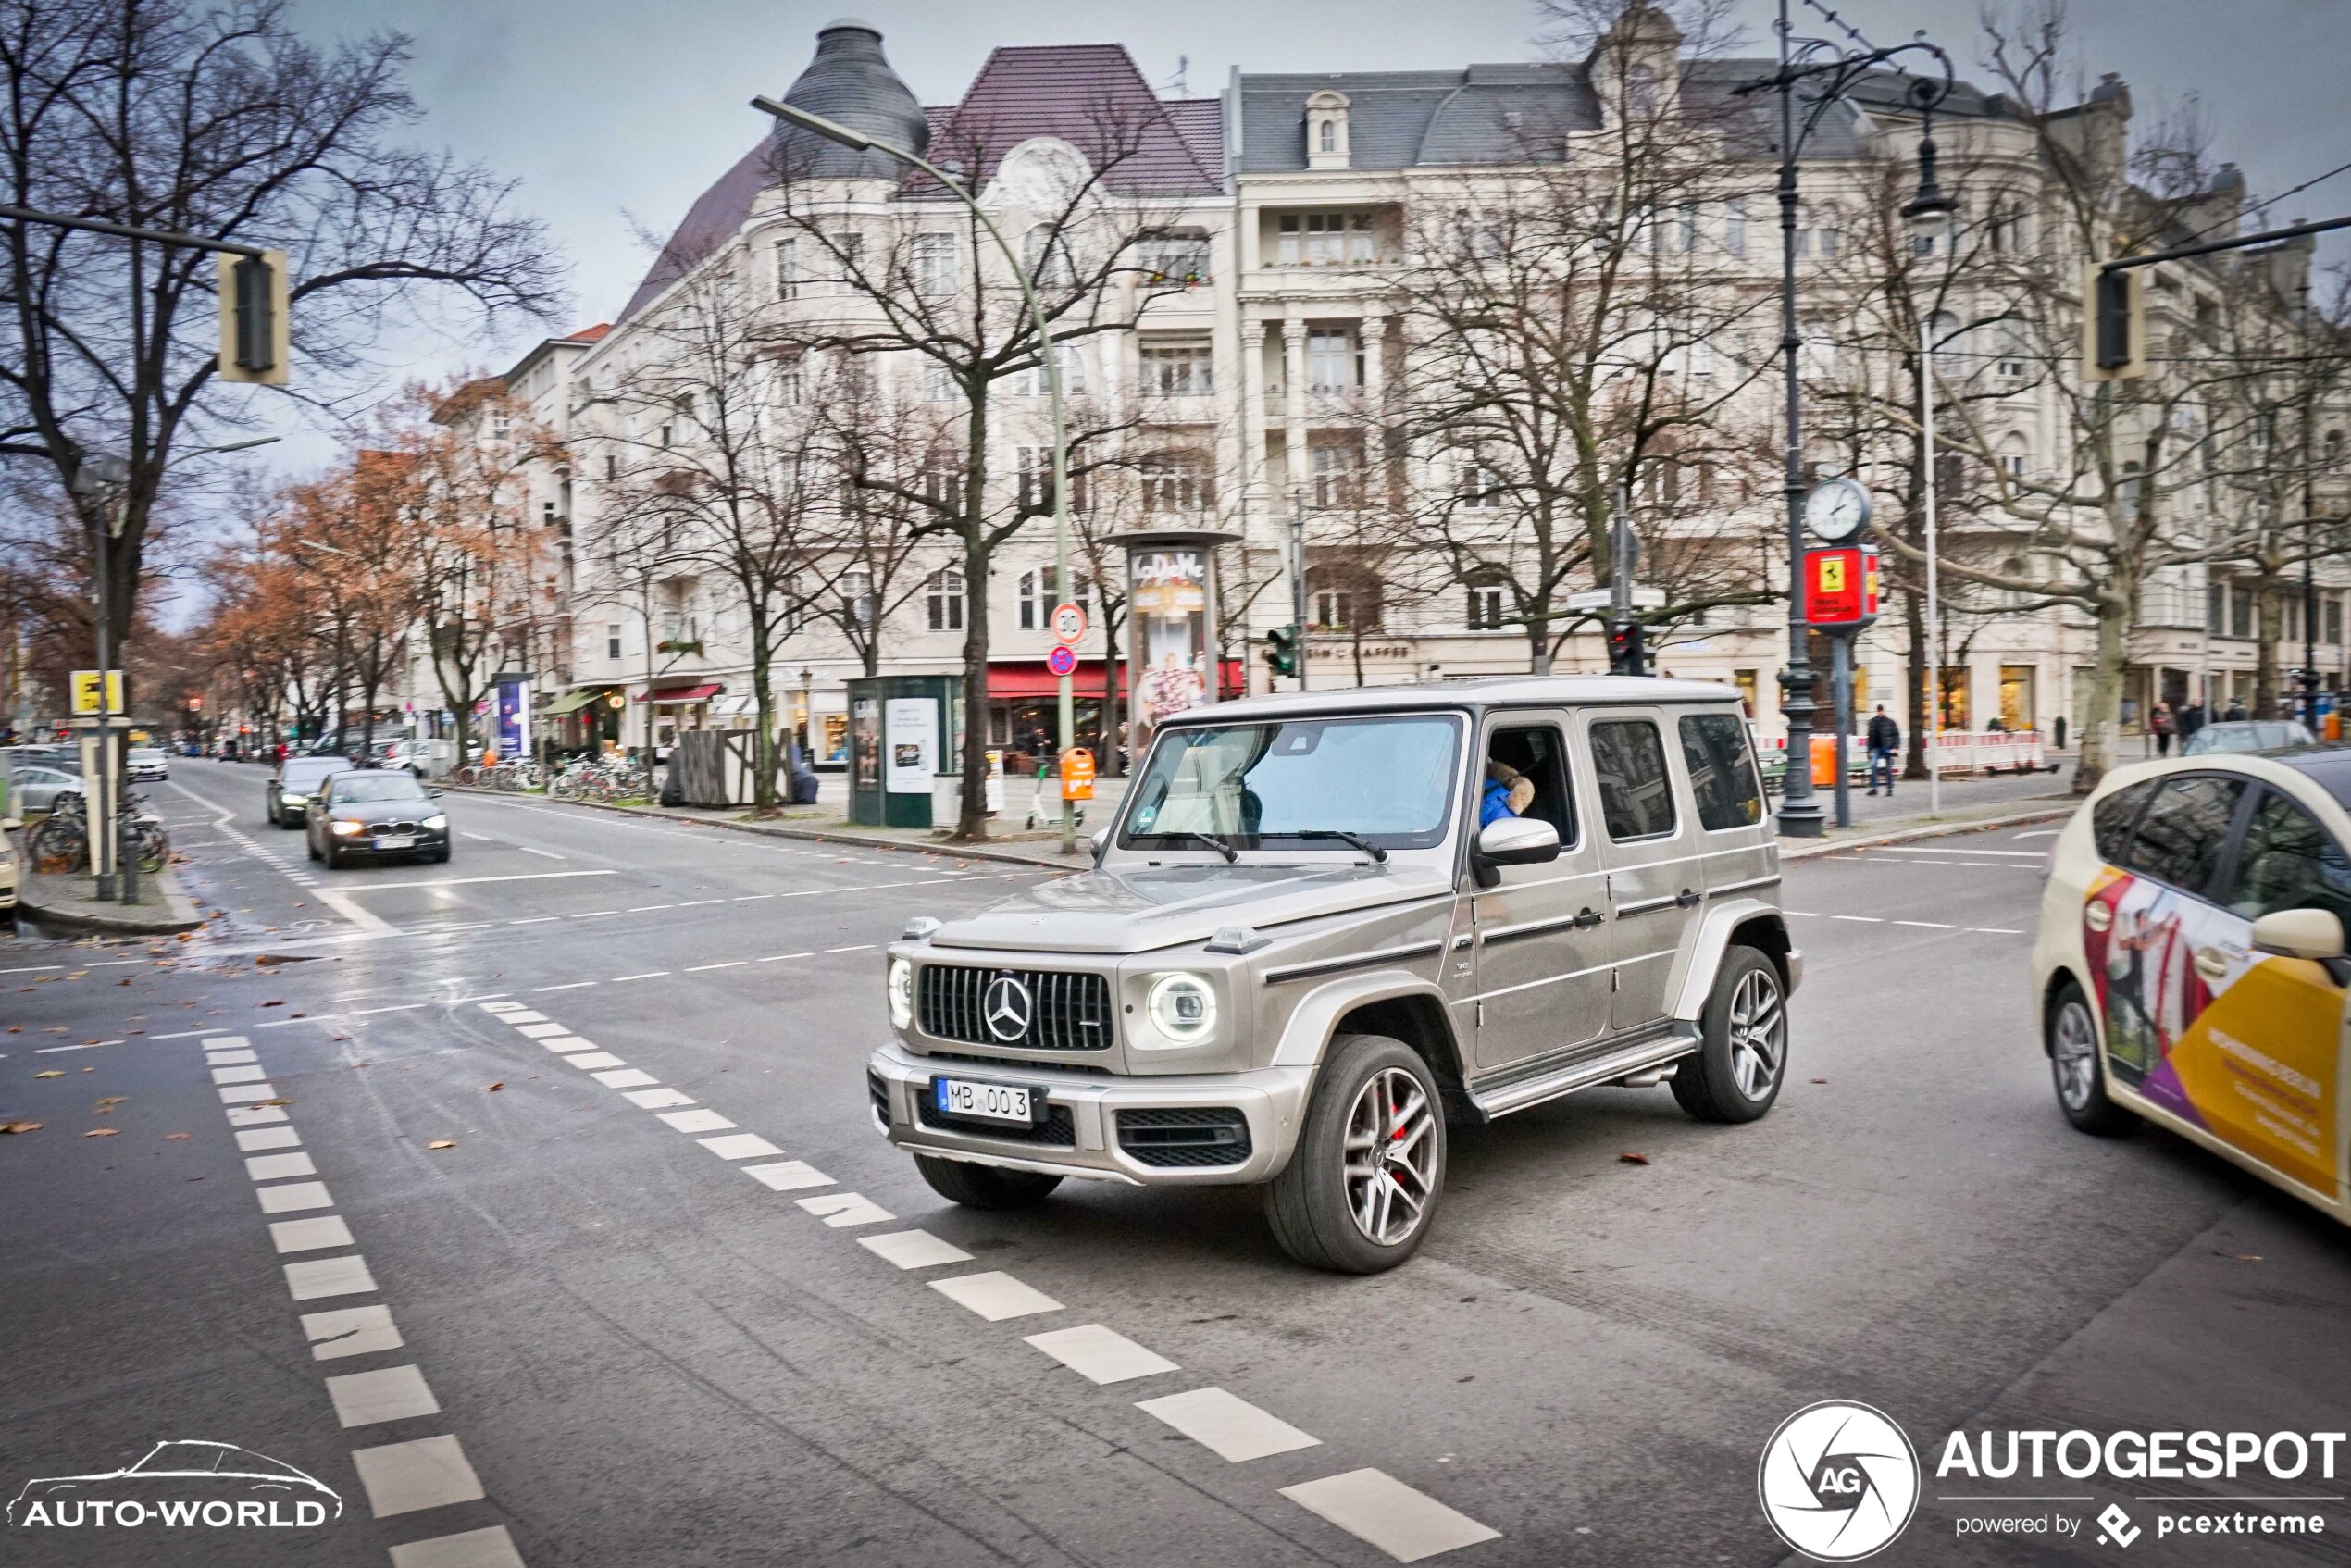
x: 774, y: 830
x: 1931, y: 830
x: 181, y: 913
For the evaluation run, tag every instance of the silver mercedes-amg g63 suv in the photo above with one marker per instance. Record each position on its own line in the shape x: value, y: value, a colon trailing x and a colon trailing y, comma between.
x: 1321, y: 929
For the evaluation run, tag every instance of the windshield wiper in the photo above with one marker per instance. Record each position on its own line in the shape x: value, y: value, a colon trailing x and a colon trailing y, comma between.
x: 1219, y: 845
x: 1357, y: 840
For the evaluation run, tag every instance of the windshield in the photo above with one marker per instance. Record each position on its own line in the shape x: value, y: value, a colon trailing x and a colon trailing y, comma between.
x: 312, y: 772
x: 1387, y: 780
x: 2258, y: 736
x: 375, y: 787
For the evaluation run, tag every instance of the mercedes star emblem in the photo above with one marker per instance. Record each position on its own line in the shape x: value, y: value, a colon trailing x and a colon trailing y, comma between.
x: 1006, y: 1008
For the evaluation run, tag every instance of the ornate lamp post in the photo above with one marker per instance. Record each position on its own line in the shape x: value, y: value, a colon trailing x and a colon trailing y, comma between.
x: 1831, y: 71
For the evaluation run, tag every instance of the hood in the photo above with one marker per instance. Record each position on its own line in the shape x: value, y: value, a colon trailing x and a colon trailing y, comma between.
x: 1142, y: 909
x: 387, y: 811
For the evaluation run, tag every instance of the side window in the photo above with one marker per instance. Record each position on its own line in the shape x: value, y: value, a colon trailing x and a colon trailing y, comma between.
x: 1722, y: 771
x: 1628, y: 763
x: 2179, y: 838
x: 2111, y: 819
x: 2289, y: 862
x: 1535, y: 752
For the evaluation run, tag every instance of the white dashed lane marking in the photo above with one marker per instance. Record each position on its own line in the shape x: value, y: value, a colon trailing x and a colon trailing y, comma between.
x: 994, y: 1296
x: 1224, y: 1424
x: 839, y: 1209
x: 1373, y: 1506
x: 1099, y: 1354
x: 913, y: 1248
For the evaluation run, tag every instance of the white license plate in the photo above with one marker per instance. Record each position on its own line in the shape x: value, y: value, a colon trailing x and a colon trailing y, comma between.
x: 397, y: 842
x: 994, y: 1103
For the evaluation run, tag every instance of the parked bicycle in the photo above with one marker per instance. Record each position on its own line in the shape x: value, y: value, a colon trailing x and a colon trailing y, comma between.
x: 602, y: 778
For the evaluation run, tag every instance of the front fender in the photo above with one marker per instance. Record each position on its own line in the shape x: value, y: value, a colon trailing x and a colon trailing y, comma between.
x: 1693, y: 980
x: 1312, y: 1021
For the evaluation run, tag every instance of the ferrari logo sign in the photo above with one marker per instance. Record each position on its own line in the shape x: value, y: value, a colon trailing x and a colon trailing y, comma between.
x: 1841, y: 586
x: 97, y: 692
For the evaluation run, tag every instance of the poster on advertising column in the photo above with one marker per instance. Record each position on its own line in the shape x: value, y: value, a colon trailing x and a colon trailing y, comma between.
x: 514, y: 718
x: 910, y: 745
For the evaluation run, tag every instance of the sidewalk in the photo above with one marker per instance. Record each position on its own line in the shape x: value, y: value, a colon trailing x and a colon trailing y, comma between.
x: 67, y: 904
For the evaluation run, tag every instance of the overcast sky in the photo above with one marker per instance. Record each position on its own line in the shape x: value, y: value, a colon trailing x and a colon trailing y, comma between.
x: 609, y: 110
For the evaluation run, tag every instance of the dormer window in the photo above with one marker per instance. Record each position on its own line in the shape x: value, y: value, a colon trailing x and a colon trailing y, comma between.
x: 1326, y: 131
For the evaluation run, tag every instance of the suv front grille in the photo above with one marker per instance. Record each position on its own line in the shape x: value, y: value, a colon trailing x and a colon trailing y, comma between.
x: 1058, y: 1128
x: 1066, y: 1011
x: 1214, y: 1134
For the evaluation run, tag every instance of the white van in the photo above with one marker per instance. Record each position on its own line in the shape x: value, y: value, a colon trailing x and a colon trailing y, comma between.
x: 427, y: 756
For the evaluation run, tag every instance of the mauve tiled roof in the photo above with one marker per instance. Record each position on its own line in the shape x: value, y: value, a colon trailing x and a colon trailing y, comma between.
x: 1091, y: 97
x: 1070, y: 91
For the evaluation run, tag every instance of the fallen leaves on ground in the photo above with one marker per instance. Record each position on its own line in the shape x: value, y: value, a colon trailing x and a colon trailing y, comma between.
x: 277, y: 1103
x: 52, y: 1073
x: 1820, y: 1080
x: 101, y: 1132
x: 176, y: 1137
x: 124, y: 981
x: 280, y: 1001
x: 1631, y: 1158
x: 496, y: 1086
x: 442, y: 1143
x: 20, y: 1126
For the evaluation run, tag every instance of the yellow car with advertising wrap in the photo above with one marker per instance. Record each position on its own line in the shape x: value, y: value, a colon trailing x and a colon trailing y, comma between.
x: 2190, y: 966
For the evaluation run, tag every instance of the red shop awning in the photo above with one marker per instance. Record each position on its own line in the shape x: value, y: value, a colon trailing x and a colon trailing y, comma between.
x: 1031, y: 679
x: 682, y: 693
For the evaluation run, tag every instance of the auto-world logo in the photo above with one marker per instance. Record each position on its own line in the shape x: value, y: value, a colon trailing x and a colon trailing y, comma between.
x: 1838, y: 1481
x: 2116, y: 1526
x: 214, y: 1485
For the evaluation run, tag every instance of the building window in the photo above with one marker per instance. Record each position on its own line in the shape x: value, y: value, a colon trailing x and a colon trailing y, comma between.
x: 1342, y: 598
x: 612, y: 469
x: 1337, y: 476
x: 791, y: 380
x: 2127, y: 493
x: 2004, y: 227
x: 1031, y: 382
x: 2240, y: 610
x: 1735, y: 228
x: 1816, y: 232
x: 939, y: 382
x: 2332, y: 611
x: 1334, y: 362
x: 1178, y: 482
x: 787, y: 269
x: 1324, y: 239
x: 942, y: 482
x: 1480, y: 485
x: 1326, y: 137
x: 934, y: 266
x: 857, y: 596
x: 2015, y: 357
x: 1035, y: 482
x: 2016, y: 457
x: 943, y: 599
x: 1035, y: 597
x: 1487, y: 604
x: 1179, y: 370
x: 1173, y: 259
x: 612, y: 643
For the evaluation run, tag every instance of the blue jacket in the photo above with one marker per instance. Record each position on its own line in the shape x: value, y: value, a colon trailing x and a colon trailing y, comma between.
x: 1496, y: 803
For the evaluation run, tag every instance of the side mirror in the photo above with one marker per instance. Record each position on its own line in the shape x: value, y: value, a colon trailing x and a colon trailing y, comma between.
x: 434, y: 794
x: 2299, y: 933
x: 1518, y: 841
x: 1099, y: 840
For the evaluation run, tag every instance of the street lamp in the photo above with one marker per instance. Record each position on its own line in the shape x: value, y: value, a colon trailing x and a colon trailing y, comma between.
x: 1931, y: 227
x: 1835, y: 71
x: 857, y: 142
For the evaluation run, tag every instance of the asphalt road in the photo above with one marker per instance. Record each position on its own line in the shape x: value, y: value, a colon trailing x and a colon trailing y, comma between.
x: 581, y: 1326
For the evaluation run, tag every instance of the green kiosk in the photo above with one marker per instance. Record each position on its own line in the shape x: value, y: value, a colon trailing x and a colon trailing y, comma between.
x: 905, y: 746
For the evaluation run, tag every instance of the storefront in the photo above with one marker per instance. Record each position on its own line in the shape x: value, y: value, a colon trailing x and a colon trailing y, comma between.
x: 1024, y: 710
x: 676, y: 709
x: 585, y: 719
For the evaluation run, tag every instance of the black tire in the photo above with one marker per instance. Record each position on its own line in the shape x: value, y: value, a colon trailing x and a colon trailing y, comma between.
x: 1742, y: 1053
x: 1311, y: 1206
x: 2077, y: 1067
x: 984, y: 1187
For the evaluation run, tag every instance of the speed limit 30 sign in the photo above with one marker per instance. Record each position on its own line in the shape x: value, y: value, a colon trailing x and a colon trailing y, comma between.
x: 1069, y: 623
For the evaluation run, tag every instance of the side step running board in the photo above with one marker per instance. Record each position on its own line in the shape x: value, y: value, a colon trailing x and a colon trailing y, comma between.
x: 1583, y: 1072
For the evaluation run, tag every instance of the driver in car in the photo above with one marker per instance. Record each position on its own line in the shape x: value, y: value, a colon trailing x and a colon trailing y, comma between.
x: 1508, y: 794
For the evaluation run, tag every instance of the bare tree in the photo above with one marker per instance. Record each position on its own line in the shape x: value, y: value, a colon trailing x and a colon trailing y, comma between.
x: 217, y: 121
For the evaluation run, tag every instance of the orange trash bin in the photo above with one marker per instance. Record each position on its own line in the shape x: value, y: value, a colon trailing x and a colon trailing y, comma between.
x: 1825, y: 761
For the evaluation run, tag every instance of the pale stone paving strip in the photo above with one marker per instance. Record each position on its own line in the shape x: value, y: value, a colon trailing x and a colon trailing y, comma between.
x: 398, y: 1479
x: 1369, y: 1504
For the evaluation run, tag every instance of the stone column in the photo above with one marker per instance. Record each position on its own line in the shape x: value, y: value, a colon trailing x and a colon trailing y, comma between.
x: 1294, y: 399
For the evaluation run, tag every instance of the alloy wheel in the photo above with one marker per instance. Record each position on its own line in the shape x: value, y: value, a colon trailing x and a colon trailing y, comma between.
x: 2074, y: 1054
x: 1391, y: 1157
x: 1759, y: 1034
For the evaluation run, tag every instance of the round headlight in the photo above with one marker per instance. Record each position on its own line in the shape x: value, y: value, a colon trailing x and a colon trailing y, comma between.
x: 436, y: 822
x: 346, y: 826
x: 901, y: 994
x: 1182, y: 1007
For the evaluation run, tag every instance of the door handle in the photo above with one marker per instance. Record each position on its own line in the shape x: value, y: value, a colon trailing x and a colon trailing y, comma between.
x: 2211, y: 963
x: 1586, y: 918
x: 1685, y: 899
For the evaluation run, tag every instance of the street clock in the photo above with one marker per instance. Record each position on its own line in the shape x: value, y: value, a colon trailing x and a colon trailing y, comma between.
x: 1836, y: 510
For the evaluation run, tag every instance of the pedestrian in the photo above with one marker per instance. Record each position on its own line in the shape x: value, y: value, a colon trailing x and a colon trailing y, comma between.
x: 1885, y: 740
x: 2159, y: 724
x: 2236, y: 714
x: 2191, y: 720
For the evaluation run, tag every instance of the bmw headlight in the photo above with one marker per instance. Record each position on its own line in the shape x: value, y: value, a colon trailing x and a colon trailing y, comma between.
x: 436, y: 823
x: 901, y: 994
x: 1182, y: 1007
x: 292, y: 800
x: 346, y: 826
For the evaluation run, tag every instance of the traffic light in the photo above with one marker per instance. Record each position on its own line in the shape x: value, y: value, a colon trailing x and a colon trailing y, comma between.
x: 2113, y: 325
x: 1281, y: 650
x: 1624, y: 651
x: 254, y: 334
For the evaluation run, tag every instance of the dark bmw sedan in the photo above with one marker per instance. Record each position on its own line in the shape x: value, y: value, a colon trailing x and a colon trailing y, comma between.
x: 363, y: 814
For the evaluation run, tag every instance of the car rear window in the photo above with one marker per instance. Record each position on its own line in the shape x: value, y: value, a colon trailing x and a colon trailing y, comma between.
x: 2179, y: 838
x: 1628, y: 760
x: 2111, y: 820
x: 1722, y: 769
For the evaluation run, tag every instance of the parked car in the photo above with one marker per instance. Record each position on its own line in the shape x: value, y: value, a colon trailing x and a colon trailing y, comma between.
x: 146, y: 763
x: 9, y: 869
x: 1312, y: 939
x: 37, y: 789
x: 286, y: 798
x: 2190, y: 966
x: 2246, y: 735
x: 373, y: 813
x: 427, y: 756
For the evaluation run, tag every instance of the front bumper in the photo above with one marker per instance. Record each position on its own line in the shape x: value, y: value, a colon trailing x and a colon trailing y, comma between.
x: 1272, y: 1104
x: 364, y: 843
